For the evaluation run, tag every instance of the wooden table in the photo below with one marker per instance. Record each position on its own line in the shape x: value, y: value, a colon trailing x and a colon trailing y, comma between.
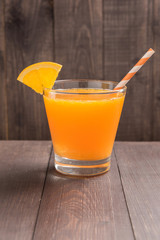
x: 38, y: 203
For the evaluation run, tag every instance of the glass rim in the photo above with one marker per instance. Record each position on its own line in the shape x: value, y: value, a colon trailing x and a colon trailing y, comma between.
x: 62, y: 91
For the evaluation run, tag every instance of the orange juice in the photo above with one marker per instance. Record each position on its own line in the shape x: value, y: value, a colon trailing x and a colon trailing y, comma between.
x: 83, y: 126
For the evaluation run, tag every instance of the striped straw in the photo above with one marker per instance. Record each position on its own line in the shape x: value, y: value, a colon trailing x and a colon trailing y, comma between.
x: 135, y: 69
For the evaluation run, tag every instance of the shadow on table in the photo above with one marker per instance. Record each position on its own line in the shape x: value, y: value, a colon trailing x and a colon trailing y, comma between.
x: 21, y: 181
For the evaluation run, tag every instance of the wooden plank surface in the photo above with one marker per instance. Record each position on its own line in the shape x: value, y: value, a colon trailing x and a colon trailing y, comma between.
x: 3, y: 93
x: 140, y: 174
x: 29, y: 39
x: 83, y: 208
x: 23, y: 168
x: 79, y: 38
x: 127, y: 36
x: 121, y: 204
x: 92, y: 39
x: 156, y: 73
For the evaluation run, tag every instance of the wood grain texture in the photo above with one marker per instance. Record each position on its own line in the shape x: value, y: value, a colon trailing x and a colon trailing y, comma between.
x: 156, y: 73
x: 23, y: 168
x: 140, y: 173
x: 127, y: 36
x: 78, y: 38
x: 83, y: 208
x: 92, y: 39
x: 3, y: 94
x: 29, y: 39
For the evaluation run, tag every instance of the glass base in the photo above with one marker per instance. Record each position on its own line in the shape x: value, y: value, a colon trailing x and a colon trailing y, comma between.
x: 81, y: 167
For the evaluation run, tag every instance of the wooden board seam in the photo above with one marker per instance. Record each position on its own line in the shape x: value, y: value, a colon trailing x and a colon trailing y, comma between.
x: 123, y: 191
x: 34, y: 229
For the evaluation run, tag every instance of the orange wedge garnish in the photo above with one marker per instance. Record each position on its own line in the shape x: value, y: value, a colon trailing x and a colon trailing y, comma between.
x: 40, y: 75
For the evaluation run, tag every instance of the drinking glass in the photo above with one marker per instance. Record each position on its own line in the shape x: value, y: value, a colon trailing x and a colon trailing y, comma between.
x: 83, y: 117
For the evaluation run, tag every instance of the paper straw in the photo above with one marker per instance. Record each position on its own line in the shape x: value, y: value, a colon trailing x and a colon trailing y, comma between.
x: 135, y: 69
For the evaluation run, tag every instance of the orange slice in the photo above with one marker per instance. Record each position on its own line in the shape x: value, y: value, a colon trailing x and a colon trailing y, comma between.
x: 40, y: 75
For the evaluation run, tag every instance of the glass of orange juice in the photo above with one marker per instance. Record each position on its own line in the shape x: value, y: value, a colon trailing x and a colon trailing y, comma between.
x: 83, y: 117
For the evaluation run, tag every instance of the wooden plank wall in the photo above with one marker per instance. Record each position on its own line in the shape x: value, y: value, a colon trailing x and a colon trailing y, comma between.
x: 92, y: 39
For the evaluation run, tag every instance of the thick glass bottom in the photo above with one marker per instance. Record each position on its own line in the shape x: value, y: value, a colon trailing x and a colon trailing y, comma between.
x: 81, y: 167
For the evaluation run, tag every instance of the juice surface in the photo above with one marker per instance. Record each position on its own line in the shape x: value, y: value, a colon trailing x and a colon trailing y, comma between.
x: 83, y: 127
